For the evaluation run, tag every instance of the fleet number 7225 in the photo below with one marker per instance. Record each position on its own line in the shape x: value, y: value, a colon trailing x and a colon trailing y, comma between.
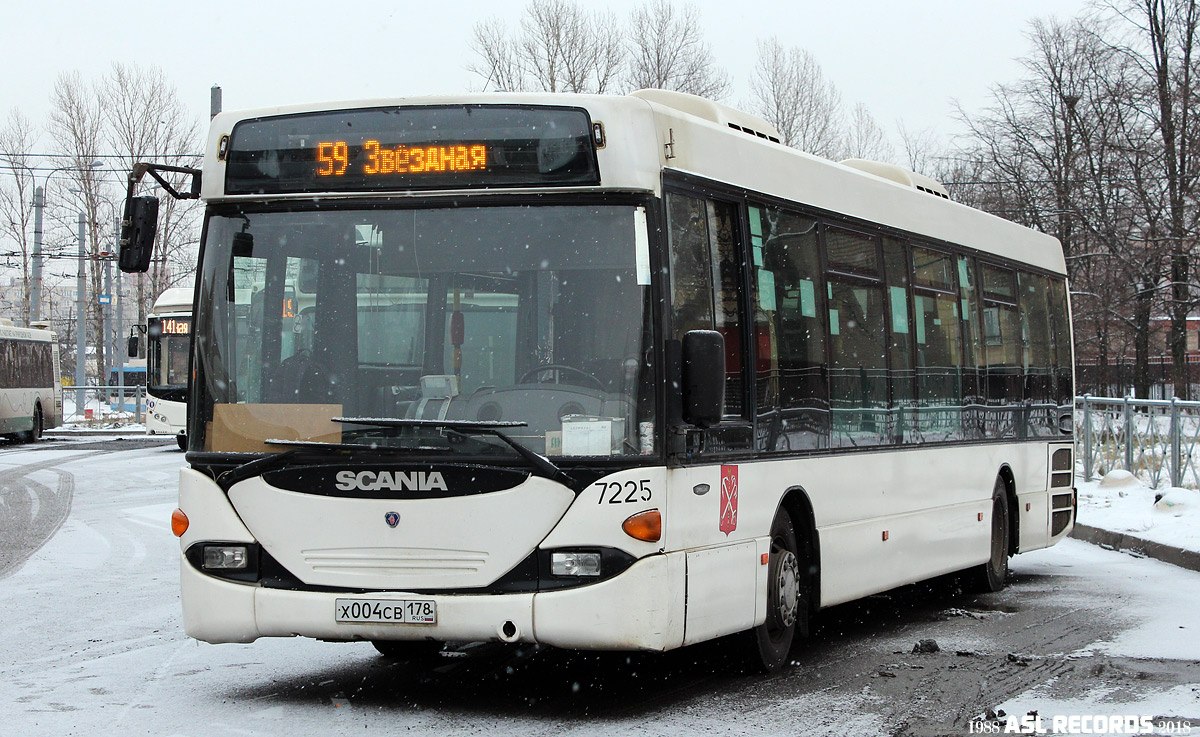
x: 622, y: 492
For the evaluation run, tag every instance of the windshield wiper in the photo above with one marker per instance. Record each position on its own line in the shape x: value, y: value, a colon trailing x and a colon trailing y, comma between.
x: 253, y: 468
x: 259, y: 466
x: 539, y: 462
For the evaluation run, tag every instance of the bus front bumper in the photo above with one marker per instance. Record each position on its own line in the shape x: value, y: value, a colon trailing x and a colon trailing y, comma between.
x: 639, y: 609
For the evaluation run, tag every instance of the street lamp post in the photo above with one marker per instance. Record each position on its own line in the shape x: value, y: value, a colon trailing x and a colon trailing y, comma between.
x: 39, y: 204
x: 35, y: 300
x: 80, y: 326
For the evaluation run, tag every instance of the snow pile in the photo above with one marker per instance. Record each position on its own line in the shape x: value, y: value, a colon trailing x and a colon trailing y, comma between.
x: 1120, y: 502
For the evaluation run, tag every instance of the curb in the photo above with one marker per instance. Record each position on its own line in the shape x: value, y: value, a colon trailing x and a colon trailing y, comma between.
x: 1188, y: 559
x: 99, y: 433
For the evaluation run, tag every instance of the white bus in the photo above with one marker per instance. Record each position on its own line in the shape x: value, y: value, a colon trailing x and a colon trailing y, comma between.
x: 30, y: 388
x: 599, y: 372
x: 168, y: 341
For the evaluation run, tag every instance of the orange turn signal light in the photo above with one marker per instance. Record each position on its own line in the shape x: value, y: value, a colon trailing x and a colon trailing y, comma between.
x: 644, y: 526
x: 179, y: 522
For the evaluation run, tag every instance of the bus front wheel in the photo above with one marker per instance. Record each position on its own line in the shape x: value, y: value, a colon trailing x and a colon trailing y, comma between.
x: 407, y: 649
x: 787, y: 600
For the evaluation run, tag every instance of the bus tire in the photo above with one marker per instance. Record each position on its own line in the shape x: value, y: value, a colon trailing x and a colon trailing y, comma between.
x: 990, y: 576
x: 407, y: 649
x: 181, y: 441
x: 768, y: 644
x: 35, y: 431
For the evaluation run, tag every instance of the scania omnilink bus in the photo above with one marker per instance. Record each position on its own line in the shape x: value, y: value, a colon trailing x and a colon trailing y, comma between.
x: 601, y: 372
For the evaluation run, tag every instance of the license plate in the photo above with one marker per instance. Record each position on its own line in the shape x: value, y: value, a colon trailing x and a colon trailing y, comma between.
x: 385, y: 611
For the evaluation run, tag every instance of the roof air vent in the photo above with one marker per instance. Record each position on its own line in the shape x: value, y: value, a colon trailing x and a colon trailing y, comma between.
x: 710, y: 111
x: 899, y: 175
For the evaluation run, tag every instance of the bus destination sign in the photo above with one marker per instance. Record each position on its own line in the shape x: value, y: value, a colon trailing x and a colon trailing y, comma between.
x: 176, y: 326
x: 406, y: 148
x: 333, y: 158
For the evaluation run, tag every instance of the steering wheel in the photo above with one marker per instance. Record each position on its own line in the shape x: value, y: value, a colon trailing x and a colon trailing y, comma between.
x: 530, y: 374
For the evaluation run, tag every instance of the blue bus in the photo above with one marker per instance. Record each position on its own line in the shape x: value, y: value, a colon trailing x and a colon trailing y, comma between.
x: 134, y: 375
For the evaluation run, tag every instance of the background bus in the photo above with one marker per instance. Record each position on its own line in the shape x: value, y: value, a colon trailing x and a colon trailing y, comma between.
x: 168, y: 342
x: 599, y: 372
x: 30, y: 388
x: 134, y: 376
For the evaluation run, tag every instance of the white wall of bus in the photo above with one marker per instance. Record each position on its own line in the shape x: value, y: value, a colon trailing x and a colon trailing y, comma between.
x: 18, y: 402
x: 635, y: 157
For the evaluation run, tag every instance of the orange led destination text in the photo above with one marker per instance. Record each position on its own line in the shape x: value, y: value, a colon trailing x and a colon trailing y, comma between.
x: 420, y: 159
x: 176, y: 327
x: 334, y: 158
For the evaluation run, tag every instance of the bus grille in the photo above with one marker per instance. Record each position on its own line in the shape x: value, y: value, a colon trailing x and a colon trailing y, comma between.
x: 395, y: 561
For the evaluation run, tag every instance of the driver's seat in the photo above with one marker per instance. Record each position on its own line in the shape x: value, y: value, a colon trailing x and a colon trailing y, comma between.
x: 541, y: 405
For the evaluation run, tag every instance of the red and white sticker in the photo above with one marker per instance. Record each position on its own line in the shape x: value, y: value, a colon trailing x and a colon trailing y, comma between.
x: 729, y: 498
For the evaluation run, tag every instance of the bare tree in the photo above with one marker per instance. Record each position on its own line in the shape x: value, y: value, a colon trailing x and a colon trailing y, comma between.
x: 864, y: 139
x: 789, y: 90
x: 1066, y: 150
x: 560, y: 48
x: 137, y: 113
x: 500, y: 65
x: 922, y: 151
x: 667, y: 51
x: 1161, y: 41
x: 17, y: 139
x: 148, y: 122
x: 77, y: 126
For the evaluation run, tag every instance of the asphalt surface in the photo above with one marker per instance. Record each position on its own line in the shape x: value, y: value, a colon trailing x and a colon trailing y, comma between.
x: 35, y: 496
x: 90, y: 567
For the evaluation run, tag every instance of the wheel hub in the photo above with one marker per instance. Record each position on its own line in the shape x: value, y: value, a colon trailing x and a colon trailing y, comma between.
x: 787, y: 587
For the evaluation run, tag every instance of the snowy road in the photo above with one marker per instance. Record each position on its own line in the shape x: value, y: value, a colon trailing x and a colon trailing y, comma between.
x: 91, y: 644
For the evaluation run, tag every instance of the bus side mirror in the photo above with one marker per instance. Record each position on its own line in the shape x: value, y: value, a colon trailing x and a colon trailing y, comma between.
x: 1066, y: 422
x: 133, y: 346
x: 138, y: 228
x: 703, y: 377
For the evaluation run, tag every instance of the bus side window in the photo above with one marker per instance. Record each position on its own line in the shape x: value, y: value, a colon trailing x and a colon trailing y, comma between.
x: 973, y: 400
x: 792, y: 381
x: 858, y: 355
x: 691, y: 269
x: 1039, y: 359
x: 939, y: 347
x: 1061, y: 336
x: 900, y: 342
x: 1002, y: 351
x: 706, y: 281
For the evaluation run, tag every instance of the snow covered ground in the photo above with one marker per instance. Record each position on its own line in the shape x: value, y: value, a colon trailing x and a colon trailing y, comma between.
x: 1121, y: 502
x: 91, y: 644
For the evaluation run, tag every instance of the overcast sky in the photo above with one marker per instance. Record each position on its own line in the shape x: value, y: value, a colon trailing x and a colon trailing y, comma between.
x: 905, y: 59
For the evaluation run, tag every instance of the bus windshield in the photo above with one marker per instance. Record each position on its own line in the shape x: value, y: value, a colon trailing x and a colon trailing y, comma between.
x: 532, y: 314
x: 169, y: 339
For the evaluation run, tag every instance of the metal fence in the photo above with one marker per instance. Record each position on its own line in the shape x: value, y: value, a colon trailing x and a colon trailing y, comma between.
x: 1153, y: 438
x: 103, y: 405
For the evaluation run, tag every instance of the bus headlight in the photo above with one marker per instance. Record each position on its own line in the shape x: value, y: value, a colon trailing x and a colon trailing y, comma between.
x: 225, y: 557
x: 575, y: 564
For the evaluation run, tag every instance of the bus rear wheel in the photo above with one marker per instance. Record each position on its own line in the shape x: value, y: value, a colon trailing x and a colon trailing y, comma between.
x: 990, y: 576
x: 768, y: 644
x: 35, y: 431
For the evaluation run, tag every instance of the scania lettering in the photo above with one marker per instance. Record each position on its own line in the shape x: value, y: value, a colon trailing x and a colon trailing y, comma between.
x: 369, y: 481
x: 598, y: 372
